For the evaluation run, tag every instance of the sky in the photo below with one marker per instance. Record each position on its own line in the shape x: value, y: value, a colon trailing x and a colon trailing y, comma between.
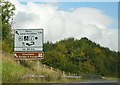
x: 97, y: 21
x: 69, y: 0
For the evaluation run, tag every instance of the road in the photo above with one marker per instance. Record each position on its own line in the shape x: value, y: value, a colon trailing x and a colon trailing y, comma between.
x: 77, y: 83
x: 85, y: 83
x: 92, y: 83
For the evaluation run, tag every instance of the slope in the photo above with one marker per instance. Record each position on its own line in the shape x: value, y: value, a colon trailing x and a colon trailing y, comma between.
x: 13, y: 72
x: 81, y: 57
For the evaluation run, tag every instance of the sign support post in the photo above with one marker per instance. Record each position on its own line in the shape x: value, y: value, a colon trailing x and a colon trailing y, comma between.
x: 38, y: 65
x: 28, y: 45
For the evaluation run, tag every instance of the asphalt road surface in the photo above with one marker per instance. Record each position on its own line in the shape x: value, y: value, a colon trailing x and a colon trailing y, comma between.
x: 61, y: 83
x: 77, y: 83
x: 92, y: 83
x: 89, y: 84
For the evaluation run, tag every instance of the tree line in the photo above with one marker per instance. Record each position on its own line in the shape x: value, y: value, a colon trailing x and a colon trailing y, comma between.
x: 6, y: 15
x: 81, y: 56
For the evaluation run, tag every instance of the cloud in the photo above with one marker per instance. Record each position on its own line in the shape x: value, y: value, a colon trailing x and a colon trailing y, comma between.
x: 59, y: 24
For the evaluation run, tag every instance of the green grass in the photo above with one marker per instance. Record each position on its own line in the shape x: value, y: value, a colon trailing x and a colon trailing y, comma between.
x: 13, y: 72
x: 0, y: 67
x: 111, y: 78
x: 0, y: 73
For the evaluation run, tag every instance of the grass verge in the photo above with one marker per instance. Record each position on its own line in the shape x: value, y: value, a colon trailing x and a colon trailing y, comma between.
x: 13, y: 72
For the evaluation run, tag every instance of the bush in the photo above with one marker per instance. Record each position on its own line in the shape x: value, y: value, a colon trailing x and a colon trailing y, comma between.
x: 7, y: 46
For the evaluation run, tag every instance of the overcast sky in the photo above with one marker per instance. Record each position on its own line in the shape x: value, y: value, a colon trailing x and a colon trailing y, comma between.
x: 94, y: 20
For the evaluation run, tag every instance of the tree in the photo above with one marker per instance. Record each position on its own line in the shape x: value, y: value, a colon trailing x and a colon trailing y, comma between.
x: 81, y: 56
x: 7, y: 12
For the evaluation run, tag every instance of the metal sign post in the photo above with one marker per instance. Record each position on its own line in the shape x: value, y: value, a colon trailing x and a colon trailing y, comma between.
x: 28, y: 45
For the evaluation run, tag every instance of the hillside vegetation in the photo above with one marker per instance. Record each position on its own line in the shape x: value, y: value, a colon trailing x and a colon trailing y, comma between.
x: 0, y: 68
x: 81, y: 57
x: 25, y: 72
x: 17, y: 71
x: 75, y: 57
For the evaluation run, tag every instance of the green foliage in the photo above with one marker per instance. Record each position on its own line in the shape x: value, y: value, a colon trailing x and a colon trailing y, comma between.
x: 7, y: 45
x: 17, y: 71
x: 91, y: 76
x: 81, y: 56
x: 0, y: 71
x: 0, y: 23
x: 12, y: 72
x: 7, y: 12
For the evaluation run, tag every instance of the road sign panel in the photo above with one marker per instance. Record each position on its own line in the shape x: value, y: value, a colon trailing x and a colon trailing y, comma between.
x: 28, y: 40
x: 28, y: 55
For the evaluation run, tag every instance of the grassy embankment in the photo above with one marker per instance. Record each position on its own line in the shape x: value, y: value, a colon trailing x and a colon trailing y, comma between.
x: 14, y: 72
x: 0, y: 69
